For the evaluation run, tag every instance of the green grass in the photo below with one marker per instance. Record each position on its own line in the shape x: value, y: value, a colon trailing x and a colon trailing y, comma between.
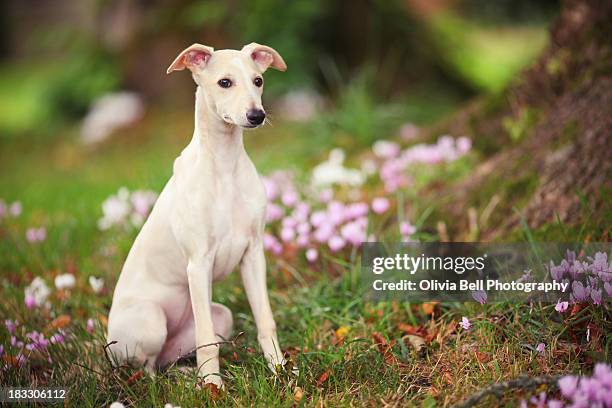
x: 331, y: 333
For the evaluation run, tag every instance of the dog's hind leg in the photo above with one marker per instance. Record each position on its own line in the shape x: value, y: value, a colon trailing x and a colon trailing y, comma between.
x: 222, y: 321
x: 139, y: 330
x: 183, y: 342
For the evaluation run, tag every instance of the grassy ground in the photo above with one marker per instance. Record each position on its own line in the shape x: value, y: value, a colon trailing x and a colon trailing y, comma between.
x: 349, y: 352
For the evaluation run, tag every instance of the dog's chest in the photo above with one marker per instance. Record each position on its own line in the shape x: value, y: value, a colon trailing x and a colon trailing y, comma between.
x: 235, y: 224
x: 232, y: 241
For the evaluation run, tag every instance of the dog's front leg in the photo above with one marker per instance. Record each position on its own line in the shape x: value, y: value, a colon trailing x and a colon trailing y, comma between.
x: 199, y: 274
x: 253, y: 271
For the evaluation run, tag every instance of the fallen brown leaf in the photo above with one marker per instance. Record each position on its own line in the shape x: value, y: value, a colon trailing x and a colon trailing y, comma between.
x: 482, y: 357
x: 135, y: 377
x: 214, y: 391
x: 298, y: 394
x: 429, y: 307
x: 385, y: 348
x: 323, y: 377
x: 408, y: 328
x: 61, y: 322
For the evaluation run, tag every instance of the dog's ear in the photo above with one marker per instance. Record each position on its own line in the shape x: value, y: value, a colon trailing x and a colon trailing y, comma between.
x: 265, y: 57
x: 193, y: 57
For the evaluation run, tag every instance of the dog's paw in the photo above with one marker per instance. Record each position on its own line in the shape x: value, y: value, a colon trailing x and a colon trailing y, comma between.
x: 283, y: 366
x: 212, y: 383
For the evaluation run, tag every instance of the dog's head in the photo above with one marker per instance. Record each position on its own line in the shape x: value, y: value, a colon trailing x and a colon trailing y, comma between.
x: 231, y: 80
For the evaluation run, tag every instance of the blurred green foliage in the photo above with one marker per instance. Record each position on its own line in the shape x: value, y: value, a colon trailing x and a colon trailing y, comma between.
x: 404, y: 66
x: 358, y: 118
x: 84, y: 75
x: 35, y: 97
x: 286, y: 26
x: 485, y: 57
x: 518, y: 127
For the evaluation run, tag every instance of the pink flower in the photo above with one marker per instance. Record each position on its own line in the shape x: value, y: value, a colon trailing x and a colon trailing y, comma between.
x: 323, y: 233
x: 561, y: 307
x: 90, y: 325
x: 20, y: 358
x: 272, y: 190
x: 603, y: 373
x: 287, y: 234
x: 568, y: 386
x: 465, y: 323
x: 336, y: 243
x: 290, y: 198
x: 579, y: 292
x: 312, y: 255
x: 380, y: 205
x: 326, y: 195
x: 301, y: 212
x: 11, y: 326
x: 335, y: 212
x: 289, y: 222
x: 596, y: 296
x: 143, y: 201
x: 303, y: 228
x: 608, y: 288
x: 356, y: 210
x: 57, y: 338
x: 464, y: 145
x: 406, y: 229
x: 30, y: 301
x: 271, y: 244
x: 480, y: 296
x: 541, y: 347
x: 36, y: 234
x: 317, y: 218
x: 555, y: 404
x: 353, y: 232
x: 302, y: 240
x: 274, y: 212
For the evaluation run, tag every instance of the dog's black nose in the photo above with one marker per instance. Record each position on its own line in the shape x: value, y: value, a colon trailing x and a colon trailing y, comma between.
x: 256, y: 116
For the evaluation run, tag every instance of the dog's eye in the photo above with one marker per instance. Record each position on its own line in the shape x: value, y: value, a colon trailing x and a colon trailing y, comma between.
x: 258, y: 81
x: 224, y: 83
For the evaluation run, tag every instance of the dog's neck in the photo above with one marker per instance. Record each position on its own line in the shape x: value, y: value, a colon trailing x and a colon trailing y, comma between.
x: 218, y: 141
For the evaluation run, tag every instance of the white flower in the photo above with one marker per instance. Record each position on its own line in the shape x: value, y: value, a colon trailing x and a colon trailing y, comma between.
x: 368, y: 166
x: 115, y: 210
x: 299, y: 105
x: 169, y: 405
x: 142, y: 201
x: 15, y: 209
x: 110, y: 112
x: 116, y: 404
x: 38, y: 290
x: 333, y: 172
x: 385, y: 149
x: 137, y: 220
x: 65, y: 281
x: 96, y: 284
x: 125, y: 208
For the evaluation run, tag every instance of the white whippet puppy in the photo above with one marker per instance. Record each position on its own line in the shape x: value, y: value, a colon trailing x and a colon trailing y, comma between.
x: 208, y: 219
